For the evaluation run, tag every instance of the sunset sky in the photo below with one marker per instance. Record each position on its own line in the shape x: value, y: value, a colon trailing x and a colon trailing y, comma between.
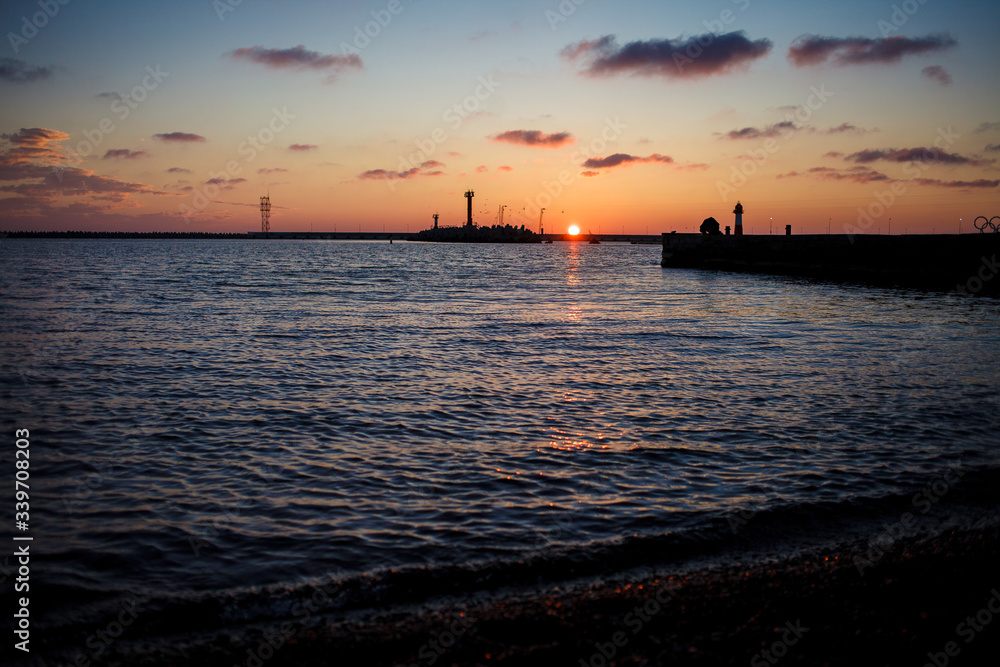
x: 615, y: 116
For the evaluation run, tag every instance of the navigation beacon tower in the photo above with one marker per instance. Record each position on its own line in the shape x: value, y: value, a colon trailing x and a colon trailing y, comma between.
x: 739, y: 218
x: 469, y: 194
x: 265, y: 214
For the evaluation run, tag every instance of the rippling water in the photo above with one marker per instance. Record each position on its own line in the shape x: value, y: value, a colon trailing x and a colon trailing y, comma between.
x: 212, y: 415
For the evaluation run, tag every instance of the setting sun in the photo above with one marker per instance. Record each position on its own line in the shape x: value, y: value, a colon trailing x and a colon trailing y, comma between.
x: 573, y: 230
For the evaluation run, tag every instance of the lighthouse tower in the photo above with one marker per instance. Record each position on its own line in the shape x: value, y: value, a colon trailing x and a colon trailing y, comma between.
x: 739, y: 219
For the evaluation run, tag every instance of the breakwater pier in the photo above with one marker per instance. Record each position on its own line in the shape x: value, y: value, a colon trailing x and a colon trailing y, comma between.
x: 966, y: 262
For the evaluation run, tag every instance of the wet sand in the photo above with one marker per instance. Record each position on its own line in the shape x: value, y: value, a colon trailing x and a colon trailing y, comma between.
x: 920, y: 597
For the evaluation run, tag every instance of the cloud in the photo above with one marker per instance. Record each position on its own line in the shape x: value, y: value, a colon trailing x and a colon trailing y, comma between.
x: 816, y: 50
x: 986, y: 127
x: 833, y: 154
x: 375, y: 174
x: 696, y: 57
x: 590, y: 174
x: 178, y: 170
x: 505, y: 167
x: 920, y: 154
x: 992, y: 148
x: 18, y: 71
x: 179, y: 137
x: 302, y: 147
x: 981, y: 183
x: 845, y: 128
x: 619, y: 159
x: 298, y: 58
x: 862, y: 174
x: 225, y: 183
x: 36, y: 144
x: 275, y: 170
x: 534, y: 138
x: 482, y: 169
x: 937, y: 73
x: 124, y: 153
x: 857, y: 174
x: 33, y: 168
x: 109, y: 96
x: 784, y: 128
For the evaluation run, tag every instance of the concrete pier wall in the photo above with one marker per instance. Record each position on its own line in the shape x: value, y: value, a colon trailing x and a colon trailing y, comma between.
x: 939, y: 262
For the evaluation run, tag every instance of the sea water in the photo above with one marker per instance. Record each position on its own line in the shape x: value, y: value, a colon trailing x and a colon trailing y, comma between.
x: 228, y: 423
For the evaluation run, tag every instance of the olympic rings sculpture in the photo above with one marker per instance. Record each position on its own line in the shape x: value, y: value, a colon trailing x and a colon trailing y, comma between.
x: 993, y: 224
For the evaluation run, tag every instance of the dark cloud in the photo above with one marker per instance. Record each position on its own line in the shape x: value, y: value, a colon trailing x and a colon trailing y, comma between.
x: 845, y: 128
x: 590, y: 174
x: 109, y: 96
x: 623, y: 158
x: 919, y: 154
x: 937, y: 73
x: 180, y: 137
x: 692, y: 58
x: 816, y: 50
x: 299, y: 58
x: 534, y: 138
x: 178, y: 170
x: 833, y: 154
x: 857, y: 174
x: 302, y: 147
x: 375, y: 174
x: 225, y: 183
x: 992, y: 148
x: 863, y: 174
x: 980, y: 183
x: 275, y: 170
x: 986, y: 127
x: 18, y: 71
x: 124, y: 153
x: 783, y: 128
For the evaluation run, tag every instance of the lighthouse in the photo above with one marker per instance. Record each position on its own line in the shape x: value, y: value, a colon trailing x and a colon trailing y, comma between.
x: 469, y: 194
x: 739, y: 219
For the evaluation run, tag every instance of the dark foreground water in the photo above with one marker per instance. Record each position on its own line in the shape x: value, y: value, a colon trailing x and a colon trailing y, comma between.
x: 219, y: 426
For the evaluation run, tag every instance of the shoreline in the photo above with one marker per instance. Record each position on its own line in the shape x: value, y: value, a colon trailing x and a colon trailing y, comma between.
x: 814, y: 608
